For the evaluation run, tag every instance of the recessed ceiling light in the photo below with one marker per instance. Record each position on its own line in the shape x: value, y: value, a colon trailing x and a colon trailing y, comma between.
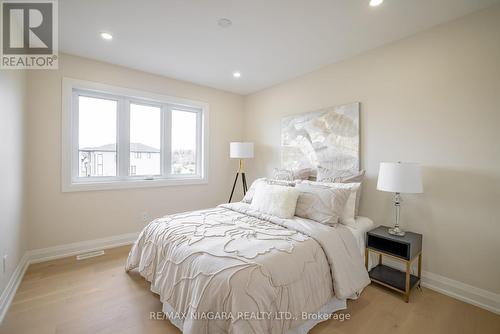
x: 224, y: 22
x: 236, y: 74
x: 375, y: 3
x: 106, y: 36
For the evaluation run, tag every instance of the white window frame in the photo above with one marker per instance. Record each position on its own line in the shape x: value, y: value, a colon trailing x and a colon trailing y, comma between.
x: 71, y: 181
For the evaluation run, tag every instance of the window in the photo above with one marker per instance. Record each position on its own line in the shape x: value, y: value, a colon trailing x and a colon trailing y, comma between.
x: 145, y: 137
x: 100, y: 164
x: 184, y: 137
x: 120, y: 138
x: 96, y: 135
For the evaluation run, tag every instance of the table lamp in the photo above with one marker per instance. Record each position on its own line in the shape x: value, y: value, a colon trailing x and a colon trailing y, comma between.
x: 399, y: 177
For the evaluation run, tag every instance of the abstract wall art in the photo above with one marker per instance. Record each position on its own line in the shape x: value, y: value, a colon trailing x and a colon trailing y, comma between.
x: 327, y: 138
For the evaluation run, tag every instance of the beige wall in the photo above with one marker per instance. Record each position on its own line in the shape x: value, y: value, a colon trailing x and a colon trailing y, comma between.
x: 12, y: 154
x: 433, y: 98
x: 59, y: 218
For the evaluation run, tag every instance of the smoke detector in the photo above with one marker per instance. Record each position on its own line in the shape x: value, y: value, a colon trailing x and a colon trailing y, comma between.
x: 224, y: 22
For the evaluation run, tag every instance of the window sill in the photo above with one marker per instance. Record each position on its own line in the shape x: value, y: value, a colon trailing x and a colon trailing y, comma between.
x: 129, y: 184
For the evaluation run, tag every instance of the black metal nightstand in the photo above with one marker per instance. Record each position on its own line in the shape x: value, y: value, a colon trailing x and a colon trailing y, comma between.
x: 406, y: 249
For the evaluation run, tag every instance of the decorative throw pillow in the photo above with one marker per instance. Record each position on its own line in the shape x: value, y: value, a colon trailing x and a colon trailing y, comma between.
x: 350, y: 209
x: 354, y: 178
x: 339, y: 176
x: 281, y: 182
x: 331, y: 176
x: 314, y: 175
x: 282, y: 174
x: 251, y: 191
x: 321, y: 203
x: 274, y: 200
x: 304, y: 174
x: 290, y: 175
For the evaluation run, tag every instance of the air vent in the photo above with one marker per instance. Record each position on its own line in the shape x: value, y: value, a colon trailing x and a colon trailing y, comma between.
x: 89, y: 255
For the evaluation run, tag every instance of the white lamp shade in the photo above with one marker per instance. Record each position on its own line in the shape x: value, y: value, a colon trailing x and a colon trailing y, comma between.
x: 400, y: 177
x: 241, y: 150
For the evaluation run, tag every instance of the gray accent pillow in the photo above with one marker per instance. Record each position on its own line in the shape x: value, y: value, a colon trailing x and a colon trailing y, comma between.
x: 282, y: 174
x: 321, y: 203
x: 339, y: 176
x: 280, y: 182
x: 331, y: 176
x: 295, y: 174
x: 304, y: 174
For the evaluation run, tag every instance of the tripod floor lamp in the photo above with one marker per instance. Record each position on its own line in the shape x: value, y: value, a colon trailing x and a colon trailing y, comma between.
x: 240, y: 150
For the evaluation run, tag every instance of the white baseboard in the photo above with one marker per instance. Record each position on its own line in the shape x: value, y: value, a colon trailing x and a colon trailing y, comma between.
x: 10, y: 290
x: 57, y: 252
x: 467, y: 293
x: 482, y: 298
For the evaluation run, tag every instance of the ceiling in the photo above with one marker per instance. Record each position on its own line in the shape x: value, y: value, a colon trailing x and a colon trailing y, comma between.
x: 270, y: 41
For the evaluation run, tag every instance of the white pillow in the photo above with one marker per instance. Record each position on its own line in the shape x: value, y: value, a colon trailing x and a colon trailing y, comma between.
x: 349, y: 214
x: 275, y: 200
x: 321, y: 203
x: 250, y: 193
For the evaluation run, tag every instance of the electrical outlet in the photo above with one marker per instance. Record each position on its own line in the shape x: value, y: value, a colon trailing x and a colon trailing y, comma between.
x: 145, y: 217
x: 4, y: 263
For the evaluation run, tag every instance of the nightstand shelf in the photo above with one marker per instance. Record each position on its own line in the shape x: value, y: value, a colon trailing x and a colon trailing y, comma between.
x: 406, y: 249
x: 392, y: 278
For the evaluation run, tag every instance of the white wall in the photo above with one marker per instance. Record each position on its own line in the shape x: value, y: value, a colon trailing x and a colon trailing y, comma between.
x: 433, y: 98
x: 58, y: 218
x: 12, y: 134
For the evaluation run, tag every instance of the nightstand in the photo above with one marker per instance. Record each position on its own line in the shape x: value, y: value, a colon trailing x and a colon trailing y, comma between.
x: 406, y: 249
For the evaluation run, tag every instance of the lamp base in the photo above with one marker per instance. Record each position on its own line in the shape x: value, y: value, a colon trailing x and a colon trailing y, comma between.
x: 396, y: 231
x: 243, y: 180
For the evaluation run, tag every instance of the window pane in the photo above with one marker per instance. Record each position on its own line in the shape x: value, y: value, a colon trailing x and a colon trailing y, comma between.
x: 96, y: 137
x: 145, y: 140
x: 183, y: 142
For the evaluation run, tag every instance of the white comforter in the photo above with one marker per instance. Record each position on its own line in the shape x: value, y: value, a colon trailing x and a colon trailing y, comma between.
x: 234, y: 270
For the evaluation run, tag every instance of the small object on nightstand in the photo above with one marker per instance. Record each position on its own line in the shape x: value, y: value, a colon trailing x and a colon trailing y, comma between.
x: 405, y: 248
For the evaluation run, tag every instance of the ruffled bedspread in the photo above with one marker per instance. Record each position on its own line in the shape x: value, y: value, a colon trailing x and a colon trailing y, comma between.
x: 234, y: 270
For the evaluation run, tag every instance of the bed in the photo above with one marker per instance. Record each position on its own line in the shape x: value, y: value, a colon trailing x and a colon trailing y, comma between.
x: 232, y: 269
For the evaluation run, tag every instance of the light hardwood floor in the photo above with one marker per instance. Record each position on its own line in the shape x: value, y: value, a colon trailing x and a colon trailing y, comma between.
x: 97, y: 296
